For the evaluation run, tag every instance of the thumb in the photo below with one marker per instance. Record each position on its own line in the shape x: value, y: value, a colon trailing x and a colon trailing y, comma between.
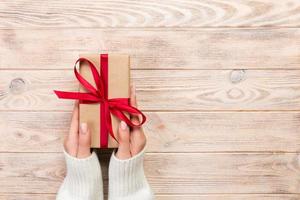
x: 84, y: 143
x: 124, y: 141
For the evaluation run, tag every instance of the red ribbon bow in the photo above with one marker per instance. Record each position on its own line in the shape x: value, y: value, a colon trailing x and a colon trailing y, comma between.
x: 116, y: 106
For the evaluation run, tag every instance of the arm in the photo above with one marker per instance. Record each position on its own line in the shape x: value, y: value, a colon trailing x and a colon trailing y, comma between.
x: 127, y: 180
x: 83, y: 180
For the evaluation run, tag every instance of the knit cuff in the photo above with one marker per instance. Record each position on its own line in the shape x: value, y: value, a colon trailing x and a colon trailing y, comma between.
x: 83, y: 179
x: 127, y: 179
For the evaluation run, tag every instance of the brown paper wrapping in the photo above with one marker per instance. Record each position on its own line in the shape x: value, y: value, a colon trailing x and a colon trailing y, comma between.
x: 118, y: 87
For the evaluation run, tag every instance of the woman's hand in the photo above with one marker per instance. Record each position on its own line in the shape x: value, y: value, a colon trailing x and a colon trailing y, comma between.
x: 78, y: 142
x: 133, y: 141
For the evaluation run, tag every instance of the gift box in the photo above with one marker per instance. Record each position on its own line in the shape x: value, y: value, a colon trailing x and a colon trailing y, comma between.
x: 103, y: 96
x: 118, y: 87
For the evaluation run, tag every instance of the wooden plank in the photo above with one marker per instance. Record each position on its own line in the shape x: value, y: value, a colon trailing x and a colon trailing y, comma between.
x: 154, y: 13
x: 171, y: 197
x: 154, y: 48
x: 27, y: 196
x: 230, y: 197
x: 164, y: 90
x: 223, y: 173
x: 203, y: 132
x: 187, y: 173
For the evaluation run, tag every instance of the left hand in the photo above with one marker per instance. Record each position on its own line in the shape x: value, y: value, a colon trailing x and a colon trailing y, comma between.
x: 78, y: 142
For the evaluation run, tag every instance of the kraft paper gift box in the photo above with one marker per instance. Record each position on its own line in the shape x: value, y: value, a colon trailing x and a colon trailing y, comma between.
x: 103, y: 96
x: 118, y: 87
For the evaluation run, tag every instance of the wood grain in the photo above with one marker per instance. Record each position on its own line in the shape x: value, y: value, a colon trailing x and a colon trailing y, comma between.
x: 213, y: 132
x: 154, y: 13
x: 231, y: 197
x: 198, y: 132
x: 27, y: 196
x: 187, y: 173
x: 176, y: 90
x: 276, y: 48
x: 171, y: 197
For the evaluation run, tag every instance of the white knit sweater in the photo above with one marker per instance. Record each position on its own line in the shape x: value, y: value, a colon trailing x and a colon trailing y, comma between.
x: 83, y: 181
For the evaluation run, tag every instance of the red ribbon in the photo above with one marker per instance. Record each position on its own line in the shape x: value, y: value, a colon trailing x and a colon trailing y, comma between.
x: 116, y: 106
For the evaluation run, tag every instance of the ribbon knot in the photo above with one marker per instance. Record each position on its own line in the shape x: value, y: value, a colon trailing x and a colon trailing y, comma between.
x: 99, y: 94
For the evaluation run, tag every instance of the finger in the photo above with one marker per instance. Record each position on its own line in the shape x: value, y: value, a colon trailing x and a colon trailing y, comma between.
x: 133, y: 96
x: 84, y: 143
x: 71, y: 140
x: 124, y: 142
x: 133, y: 102
x: 74, y: 121
x: 137, y: 136
x: 71, y: 146
x: 137, y: 141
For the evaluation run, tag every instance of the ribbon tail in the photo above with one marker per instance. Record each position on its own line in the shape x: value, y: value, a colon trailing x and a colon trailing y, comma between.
x: 76, y: 95
x: 109, y: 127
x: 119, y: 109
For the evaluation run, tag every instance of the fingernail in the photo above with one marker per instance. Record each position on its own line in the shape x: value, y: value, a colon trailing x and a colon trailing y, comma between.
x: 123, y: 125
x: 83, y: 127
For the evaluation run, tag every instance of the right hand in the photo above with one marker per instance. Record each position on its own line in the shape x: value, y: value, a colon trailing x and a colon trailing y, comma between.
x: 133, y: 141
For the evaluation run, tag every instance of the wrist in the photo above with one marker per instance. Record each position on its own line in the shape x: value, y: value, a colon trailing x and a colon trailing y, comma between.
x: 126, y: 177
x: 83, y: 179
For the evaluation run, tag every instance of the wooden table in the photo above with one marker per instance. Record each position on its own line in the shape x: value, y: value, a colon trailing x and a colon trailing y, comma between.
x: 219, y: 81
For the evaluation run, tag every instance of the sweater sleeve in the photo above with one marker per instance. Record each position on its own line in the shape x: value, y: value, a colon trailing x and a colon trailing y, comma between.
x: 83, y: 180
x: 127, y: 180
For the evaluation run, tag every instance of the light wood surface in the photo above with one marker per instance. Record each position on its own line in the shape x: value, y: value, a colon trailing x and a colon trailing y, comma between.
x: 154, y: 48
x: 153, y: 13
x: 172, y: 197
x: 157, y: 90
x: 209, y: 173
x: 219, y: 81
x: 203, y: 132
